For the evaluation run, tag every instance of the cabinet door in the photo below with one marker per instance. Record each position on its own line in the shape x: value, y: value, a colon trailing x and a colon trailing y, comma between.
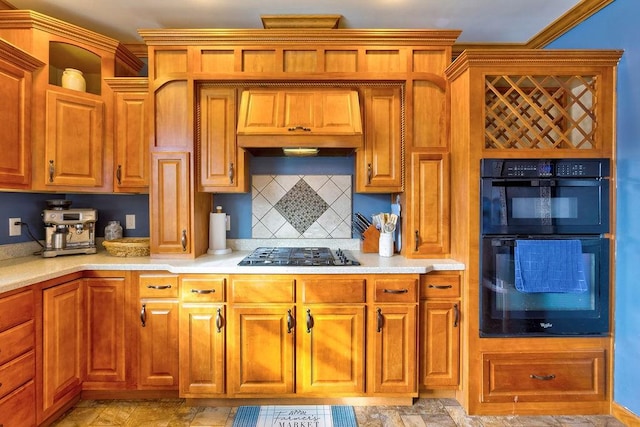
x: 169, y: 200
x: 262, y: 352
x: 158, y: 350
x: 61, y: 345
x: 393, y: 340
x: 74, y: 141
x: 105, y: 329
x: 15, y: 140
x: 379, y: 163
x: 331, y: 349
x: 202, y: 349
x: 130, y: 134
x: 440, y: 344
x: 428, y: 230
x: 222, y: 166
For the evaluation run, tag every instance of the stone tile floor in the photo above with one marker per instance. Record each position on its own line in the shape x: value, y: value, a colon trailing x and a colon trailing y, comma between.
x: 424, y: 412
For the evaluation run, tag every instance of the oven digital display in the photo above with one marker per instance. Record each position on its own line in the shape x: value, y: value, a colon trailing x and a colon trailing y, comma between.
x: 71, y: 216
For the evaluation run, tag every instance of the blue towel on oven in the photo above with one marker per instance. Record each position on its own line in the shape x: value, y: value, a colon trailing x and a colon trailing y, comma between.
x: 549, y: 266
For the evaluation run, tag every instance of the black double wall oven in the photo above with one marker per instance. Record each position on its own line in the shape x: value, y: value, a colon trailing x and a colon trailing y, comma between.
x: 544, y: 254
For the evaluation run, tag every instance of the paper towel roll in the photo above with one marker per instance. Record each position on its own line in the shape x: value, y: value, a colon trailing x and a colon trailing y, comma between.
x: 218, y: 234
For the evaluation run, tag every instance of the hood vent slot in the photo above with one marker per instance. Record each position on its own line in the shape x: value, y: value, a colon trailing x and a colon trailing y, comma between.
x: 322, y: 118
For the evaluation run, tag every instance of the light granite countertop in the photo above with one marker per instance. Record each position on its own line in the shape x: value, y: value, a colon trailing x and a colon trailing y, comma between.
x: 23, y: 271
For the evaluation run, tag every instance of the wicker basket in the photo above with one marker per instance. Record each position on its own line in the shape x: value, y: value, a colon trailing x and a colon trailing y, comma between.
x: 127, y: 246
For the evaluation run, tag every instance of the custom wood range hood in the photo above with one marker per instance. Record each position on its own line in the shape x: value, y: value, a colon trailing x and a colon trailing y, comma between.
x: 300, y: 121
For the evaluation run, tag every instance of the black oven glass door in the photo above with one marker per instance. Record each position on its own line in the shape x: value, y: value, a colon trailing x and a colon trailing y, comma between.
x: 545, y: 206
x: 505, y: 311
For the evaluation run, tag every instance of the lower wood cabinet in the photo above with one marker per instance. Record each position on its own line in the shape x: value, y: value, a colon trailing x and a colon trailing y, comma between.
x: 202, y: 338
x: 158, y: 331
x: 62, y: 333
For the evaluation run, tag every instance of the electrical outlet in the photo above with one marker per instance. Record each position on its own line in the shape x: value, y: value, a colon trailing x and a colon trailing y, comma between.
x: 130, y: 222
x: 228, y: 223
x: 15, y: 230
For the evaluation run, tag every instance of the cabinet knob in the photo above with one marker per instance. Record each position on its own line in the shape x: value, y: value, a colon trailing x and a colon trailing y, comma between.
x: 143, y: 315
x: 380, y: 320
x: 309, y: 321
x: 183, y: 240
x: 119, y: 174
x: 302, y: 128
x: 542, y: 377
x: 369, y: 173
x: 159, y: 287
x: 290, y: 321
x: 219, y: 320
x: 417, y: 240
x: 456, y: 315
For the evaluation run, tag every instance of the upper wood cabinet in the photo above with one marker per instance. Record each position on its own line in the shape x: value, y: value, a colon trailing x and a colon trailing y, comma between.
x: 299, y: 117
x: 379, y: 163
x: 76, y: 125
x: 222, y: 165
x: 130, y: 133
x: 16, y: 80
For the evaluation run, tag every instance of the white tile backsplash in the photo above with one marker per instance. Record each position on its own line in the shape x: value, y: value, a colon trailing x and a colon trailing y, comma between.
x: 301, y: 206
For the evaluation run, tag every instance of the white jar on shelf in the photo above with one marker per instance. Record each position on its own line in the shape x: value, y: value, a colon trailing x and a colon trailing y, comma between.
x: 73, y: 79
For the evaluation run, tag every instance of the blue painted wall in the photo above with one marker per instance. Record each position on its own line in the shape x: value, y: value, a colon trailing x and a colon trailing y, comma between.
x: 616, y: 27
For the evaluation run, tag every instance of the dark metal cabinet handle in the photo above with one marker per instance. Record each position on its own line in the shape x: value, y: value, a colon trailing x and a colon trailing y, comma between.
x: 417, y: 240
x: 309, y: 321
x: 456, y: 315
x: 143, y: 315
x: 203, y: 291
x: 290, y: 321
x: 396, y: 291
x: 219, y: 320
x: 439, y: 286
x: 183, y: 241
x: 119, y: 174
x: 159, y: 287
x: 231, y: 173
x: 369, y: 173
x: 293, y: 129
x: 542, y: 377
x: 380, y: 320
x: 52, y: 170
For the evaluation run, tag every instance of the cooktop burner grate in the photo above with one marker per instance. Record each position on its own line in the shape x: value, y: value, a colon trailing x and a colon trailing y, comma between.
x: 293, y: 256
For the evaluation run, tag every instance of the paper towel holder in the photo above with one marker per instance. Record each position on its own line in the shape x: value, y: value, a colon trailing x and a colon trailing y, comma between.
x: 217, y: 233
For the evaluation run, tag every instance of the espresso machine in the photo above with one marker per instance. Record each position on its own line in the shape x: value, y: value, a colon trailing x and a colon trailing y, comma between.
x: 68, y: 231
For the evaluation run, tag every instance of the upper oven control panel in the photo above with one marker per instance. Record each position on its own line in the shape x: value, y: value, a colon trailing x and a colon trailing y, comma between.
x: 544, y: 168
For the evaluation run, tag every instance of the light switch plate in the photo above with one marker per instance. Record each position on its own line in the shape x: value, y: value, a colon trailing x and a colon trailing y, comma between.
x: 15, y: 230
x: 130, y: 222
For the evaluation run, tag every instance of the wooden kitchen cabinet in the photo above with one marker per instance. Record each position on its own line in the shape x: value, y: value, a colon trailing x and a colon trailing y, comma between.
x: 17, y: 359
x: 202, y: 341
x: 330, y: 335
x: 379, y: 163
x: 222, y: 165
x: 428, y: 222
x: 170, y: 196
x: 393, y: 335
x: 16, y: 80
x: 130, y: 134
x: 158, y: 331
x: 106, y: 341
x: 62, y: 344
x: 439, y: 330
x: 71, y: 131
x: 262, y: 324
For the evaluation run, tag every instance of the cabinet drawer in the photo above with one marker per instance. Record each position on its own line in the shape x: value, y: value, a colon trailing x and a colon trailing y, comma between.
x: 17, y: 372
x: 202, y: 288
x: 440, y: 285
x: 158, y: 286
x: 16, y: 341
x: 16, y: 309
x: 332, y: 289
x: 18, y: 409
x: 262, y: 289
x: 538, y: 377
x: 395, y: 289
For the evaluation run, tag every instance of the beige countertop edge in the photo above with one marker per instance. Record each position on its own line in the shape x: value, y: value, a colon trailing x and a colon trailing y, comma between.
x: 20, y: 272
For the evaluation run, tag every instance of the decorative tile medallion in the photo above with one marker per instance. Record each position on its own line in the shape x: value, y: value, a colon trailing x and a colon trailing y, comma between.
x: 301, y: 206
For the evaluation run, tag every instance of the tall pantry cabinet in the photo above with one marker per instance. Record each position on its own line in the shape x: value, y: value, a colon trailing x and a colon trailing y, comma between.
x: 524, y: 103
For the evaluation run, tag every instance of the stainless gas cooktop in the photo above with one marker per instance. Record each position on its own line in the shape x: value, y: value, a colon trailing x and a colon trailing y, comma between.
x: 285, y: 256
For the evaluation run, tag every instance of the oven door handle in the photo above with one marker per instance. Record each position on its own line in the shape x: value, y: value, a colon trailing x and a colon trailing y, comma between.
x: 585, y: 182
